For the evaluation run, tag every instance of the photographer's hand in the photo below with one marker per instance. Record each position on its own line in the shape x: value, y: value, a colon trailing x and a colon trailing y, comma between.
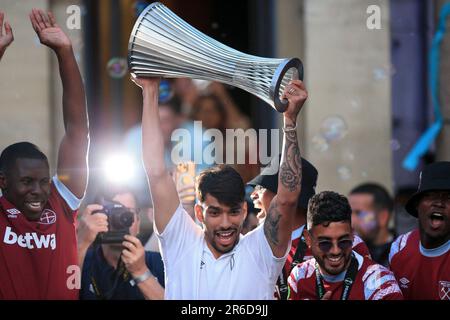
x: 133, y: 256
x: 89, y: 226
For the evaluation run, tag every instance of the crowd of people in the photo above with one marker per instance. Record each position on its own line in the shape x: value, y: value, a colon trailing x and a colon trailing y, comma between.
x: 281, y: 240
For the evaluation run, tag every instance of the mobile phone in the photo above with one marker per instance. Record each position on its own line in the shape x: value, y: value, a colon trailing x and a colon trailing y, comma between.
x: 184, y: 177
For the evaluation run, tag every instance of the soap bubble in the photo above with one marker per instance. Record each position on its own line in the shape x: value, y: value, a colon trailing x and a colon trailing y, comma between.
x: 349, y: 156
x: 355, y: 104
x: 344, y: 172
x: 333, y: 128
x: 381, y: 73
x: 117, y: 67
x: 319, y: 143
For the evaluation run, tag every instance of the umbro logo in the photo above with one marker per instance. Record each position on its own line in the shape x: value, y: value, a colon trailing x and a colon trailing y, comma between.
x: 12, y: 213
x: 404, y: 283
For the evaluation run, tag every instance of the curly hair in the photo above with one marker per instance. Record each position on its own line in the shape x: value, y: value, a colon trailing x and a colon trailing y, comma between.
x: 326, y: 207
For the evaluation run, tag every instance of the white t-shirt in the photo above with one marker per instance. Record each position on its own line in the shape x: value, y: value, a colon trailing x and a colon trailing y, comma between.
x: 248, y: 272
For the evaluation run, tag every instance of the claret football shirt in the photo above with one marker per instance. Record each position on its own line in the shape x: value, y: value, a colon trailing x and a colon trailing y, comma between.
x: 423, y: 274
x: 38, y: 259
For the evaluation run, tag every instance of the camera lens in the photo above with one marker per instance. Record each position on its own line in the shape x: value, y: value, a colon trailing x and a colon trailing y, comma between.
x: 121, y: 219
x: 126, y: 219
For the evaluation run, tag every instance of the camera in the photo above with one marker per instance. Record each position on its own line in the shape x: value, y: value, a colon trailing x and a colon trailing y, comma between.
x: 120, y: 219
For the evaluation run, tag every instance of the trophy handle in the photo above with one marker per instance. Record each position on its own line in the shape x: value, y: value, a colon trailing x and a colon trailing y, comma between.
x: 281, y: 105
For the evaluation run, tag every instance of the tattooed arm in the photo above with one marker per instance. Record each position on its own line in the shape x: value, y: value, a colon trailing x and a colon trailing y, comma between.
x: 278, y: 223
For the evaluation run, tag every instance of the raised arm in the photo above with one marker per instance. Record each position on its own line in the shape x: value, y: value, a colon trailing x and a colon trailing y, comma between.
x: 162, y: 187
x: 278, y: 223
x: 6, y: 36
x: 72, y: 167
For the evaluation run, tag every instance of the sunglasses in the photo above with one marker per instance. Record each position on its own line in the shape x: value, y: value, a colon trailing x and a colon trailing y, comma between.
x: 326, y: 245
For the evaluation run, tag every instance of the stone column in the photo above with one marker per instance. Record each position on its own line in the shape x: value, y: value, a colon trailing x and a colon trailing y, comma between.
x: 347, y: 74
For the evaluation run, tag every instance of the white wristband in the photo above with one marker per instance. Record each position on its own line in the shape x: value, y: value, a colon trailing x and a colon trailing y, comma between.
x: 141, y: 278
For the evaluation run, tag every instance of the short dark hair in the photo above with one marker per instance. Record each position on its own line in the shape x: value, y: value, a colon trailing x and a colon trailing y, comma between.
x: 381, y: 198
x: 19, y: 150
x: 222, y: 182
x: 326, y: 207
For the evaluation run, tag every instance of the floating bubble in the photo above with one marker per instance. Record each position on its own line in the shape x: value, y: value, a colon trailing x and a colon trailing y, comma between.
x: 379, y: 74
x: 349, y: 156
x: 215, y: 25
x: 395, y: 145
x: 165, y: 91
x: 355, y: 104
x: 333, y: 128
x: 344, y: 172
x: 319, y: 143
x: 117, y: 67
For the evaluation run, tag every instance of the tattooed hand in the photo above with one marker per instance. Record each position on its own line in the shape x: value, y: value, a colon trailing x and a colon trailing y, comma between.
x: 295, y: 92
x: 278, y: 223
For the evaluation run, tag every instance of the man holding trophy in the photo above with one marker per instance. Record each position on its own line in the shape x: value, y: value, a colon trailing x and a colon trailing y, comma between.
x: 215, y: 262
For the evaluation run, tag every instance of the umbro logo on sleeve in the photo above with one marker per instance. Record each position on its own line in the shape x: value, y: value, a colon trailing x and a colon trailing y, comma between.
x: 404, y: 283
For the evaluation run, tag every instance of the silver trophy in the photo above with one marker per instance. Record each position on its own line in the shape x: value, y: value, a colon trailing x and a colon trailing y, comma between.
x: 163, y: 45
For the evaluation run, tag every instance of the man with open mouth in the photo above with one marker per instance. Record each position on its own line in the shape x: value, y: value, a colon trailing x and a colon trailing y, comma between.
x: 38, y: 245
x: 216, y: 262
x: 420, y: 259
